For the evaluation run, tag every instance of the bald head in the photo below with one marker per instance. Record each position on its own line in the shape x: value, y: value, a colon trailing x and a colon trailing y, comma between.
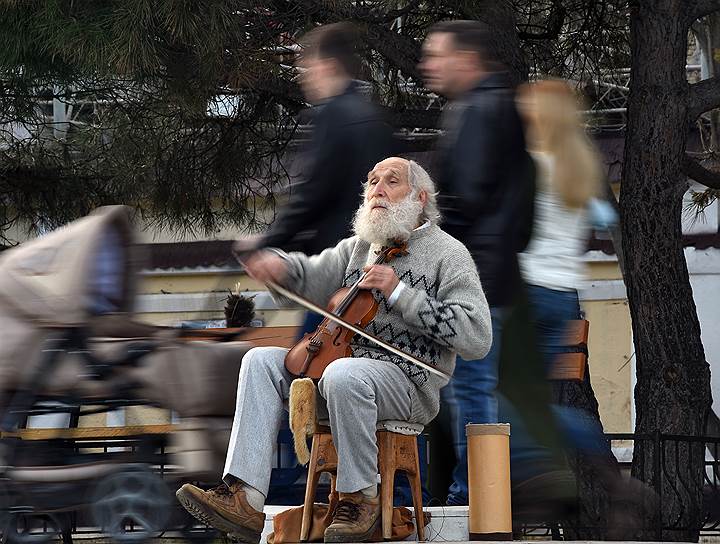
x: 395, y: 165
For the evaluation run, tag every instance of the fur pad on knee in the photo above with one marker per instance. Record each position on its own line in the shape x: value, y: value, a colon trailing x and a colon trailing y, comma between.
x: 302, y: 415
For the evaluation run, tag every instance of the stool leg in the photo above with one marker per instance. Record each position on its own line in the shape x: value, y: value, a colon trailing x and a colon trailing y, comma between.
x: 310, y: 489
x: 386, y: 462
x: 416, y: 487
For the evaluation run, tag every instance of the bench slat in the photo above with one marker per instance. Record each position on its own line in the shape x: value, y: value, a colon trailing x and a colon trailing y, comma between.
x: 90, y: 433
x: 568, y: 366
x: 578, y: 331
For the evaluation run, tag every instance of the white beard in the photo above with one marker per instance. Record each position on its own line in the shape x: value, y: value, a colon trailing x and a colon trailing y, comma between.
x: 382, y: 226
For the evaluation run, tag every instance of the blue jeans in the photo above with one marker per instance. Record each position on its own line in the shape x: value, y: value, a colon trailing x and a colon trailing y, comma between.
x: 552, y: 309
x: 471, y: 397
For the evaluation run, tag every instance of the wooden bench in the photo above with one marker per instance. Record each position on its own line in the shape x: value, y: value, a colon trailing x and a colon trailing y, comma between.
x: 572, y: 366
x: 262, y: 336
x: 90, y: 433
x: 283, y: 337
x: 567, y: 366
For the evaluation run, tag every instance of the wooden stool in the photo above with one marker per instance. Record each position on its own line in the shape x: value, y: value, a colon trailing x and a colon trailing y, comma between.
x: 397, y: 451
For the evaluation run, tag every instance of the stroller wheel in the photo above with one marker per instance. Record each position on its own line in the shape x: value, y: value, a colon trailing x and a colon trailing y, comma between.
x: 132, y: 506
x: 4, y: 512
x: 31, y: 528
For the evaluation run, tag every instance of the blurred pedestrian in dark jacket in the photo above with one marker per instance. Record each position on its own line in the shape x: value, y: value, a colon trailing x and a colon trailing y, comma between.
x: 349, y: 138
x: 486, y: 181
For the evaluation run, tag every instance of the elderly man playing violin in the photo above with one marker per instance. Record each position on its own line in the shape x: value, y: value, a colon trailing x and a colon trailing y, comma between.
x: 430, y: 305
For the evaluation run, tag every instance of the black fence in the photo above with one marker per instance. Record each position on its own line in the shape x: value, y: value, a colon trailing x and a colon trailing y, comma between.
x: 672, y: 476
x: 670, y: 508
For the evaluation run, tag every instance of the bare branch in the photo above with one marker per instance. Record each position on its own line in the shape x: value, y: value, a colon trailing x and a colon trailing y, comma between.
x: 555, y: 22
x: 704, y: 96
x: 702, y: 8
x: 699, y: 173
x: 390, y: 15
x: 402, y: 51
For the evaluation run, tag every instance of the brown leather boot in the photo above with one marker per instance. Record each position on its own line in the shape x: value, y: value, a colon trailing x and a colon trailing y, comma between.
x: 356, y: 518
x: 224, y: 508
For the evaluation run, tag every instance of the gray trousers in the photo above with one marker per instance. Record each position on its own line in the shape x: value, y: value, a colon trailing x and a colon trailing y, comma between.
x: 355, y: 393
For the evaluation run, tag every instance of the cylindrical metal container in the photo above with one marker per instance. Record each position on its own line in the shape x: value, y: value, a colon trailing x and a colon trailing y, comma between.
x: 488, y: 449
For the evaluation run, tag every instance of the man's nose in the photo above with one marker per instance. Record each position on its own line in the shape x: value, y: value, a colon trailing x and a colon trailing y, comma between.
x: 377, y: 191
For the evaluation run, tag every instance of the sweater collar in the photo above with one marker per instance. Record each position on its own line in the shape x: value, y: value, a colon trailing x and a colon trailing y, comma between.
x: 423, y: 230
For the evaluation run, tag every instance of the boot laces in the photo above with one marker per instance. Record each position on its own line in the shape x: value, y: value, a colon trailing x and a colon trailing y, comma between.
x: 222, y: 490
x: 347, y: 512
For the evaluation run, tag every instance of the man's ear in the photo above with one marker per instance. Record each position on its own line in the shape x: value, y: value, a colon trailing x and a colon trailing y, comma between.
x: 337, y: 69
x: 422, y: 197
x: 471, y: 61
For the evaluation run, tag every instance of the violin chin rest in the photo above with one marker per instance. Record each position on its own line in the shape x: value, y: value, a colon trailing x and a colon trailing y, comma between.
x: 302, y: 415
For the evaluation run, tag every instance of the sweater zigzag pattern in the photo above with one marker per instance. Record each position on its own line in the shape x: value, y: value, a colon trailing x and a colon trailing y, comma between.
x: 440, y: 313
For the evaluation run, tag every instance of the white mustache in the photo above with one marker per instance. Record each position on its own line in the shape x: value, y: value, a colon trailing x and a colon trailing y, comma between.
x: 379, y: 202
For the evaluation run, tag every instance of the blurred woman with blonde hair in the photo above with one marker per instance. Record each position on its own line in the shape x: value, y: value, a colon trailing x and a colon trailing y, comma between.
x: 569, y: 180
x: 569, y: 176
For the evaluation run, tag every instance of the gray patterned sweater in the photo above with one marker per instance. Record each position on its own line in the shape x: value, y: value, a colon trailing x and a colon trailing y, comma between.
x: 441, y: 312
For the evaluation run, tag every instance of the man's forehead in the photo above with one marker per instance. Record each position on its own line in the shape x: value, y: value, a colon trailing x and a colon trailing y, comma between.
x: 395, y: 165
x: 438, y: 41
x: 385, y: 168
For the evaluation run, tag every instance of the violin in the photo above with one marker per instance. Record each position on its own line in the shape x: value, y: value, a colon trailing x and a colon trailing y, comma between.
x: 331, y: 340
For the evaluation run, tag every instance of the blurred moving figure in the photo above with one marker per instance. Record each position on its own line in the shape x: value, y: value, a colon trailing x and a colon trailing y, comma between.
x: 569, y: 177
x: 569, y: 180
x: 485, y: 177
x: 71, y: 347
x: 349, y: 138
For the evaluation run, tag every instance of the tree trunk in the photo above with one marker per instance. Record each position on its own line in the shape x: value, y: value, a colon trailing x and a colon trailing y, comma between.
x: 672, y: 394
x: 712, y: 61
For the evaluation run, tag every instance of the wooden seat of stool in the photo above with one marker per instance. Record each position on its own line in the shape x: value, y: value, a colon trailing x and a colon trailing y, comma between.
x: 397, y: 451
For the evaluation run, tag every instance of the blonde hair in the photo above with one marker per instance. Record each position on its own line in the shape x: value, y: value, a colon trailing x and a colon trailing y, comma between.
x: 554, y: 121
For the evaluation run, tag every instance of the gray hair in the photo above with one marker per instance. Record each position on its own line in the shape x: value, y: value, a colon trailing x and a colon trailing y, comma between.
x: 420, y: 180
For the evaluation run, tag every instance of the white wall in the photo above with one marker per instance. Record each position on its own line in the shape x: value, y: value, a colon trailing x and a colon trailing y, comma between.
x: 704, y: 268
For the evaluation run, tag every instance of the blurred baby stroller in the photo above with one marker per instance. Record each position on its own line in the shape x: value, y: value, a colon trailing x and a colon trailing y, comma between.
x: 69, y: 350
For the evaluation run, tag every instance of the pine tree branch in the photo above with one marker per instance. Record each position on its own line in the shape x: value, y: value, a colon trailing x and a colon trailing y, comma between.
x: 701, y: 8
x: 704, y: 96
x: 402, y: 51
x: 699, y: 173
x: 372, y: 17
x: 555, y: 22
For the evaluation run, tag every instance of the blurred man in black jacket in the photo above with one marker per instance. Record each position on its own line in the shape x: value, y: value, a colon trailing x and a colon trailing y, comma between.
x: 486, y: 181
x: 349, y: 138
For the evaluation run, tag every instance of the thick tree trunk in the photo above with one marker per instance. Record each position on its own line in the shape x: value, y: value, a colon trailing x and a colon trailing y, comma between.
x: 672, y: 394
